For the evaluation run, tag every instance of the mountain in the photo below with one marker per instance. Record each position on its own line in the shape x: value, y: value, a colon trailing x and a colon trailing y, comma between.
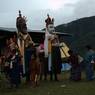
x: 83, y: 31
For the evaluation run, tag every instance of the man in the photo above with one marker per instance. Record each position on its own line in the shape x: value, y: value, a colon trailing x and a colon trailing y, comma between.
x: 89, y: 57
x: 75, y: 66
x: 24, y: 43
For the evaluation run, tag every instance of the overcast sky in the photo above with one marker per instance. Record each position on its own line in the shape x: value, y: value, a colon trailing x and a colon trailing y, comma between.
x: 36, y: 11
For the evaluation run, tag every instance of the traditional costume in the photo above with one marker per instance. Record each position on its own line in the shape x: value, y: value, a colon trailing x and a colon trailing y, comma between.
x: 56, y: 59
x: 14, y: 69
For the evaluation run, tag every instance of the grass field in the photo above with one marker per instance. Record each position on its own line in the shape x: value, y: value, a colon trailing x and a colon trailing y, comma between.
x: 64, y: 87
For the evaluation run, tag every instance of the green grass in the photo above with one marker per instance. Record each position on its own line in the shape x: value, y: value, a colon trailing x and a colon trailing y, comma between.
x: 82, y: 87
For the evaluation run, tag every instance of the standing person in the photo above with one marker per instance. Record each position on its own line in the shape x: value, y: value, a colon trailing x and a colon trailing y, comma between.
x: 41, y: 58
x: 89, y: 57
x: 24, y: 41
x: 34, y: 69
x: 14, y: 72
x: 75, y: 66
x: 56, y: 60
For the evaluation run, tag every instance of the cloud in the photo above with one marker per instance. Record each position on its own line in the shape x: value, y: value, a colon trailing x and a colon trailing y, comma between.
x: 84, y: 8
x: 36, y: 11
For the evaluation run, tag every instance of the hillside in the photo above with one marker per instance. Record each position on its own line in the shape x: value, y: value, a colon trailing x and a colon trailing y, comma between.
x: 83, y: 31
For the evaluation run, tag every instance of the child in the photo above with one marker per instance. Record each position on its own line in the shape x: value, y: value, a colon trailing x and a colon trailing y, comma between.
x: 14, y: 72
x: 34, y: 70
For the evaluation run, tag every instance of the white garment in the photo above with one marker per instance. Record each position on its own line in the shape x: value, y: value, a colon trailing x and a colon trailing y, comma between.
x: 46, y: 44
x: 47, y: 36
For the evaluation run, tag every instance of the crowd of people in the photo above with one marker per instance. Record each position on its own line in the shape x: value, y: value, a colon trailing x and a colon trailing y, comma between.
x: 86, y: 63
x: 38, y: 67
x: 37, y: 62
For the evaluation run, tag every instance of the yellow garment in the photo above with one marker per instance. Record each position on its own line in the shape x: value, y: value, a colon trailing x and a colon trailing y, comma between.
x: 49, y: 46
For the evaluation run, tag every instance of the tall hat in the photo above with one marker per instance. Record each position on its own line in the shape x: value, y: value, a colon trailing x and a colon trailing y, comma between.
x: 47, y: 14
x: 20, y: 12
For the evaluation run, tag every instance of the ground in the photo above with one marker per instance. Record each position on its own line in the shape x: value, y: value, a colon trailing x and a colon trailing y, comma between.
x: 64, y: 87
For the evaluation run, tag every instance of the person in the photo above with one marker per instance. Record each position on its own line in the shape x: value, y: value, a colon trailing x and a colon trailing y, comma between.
x: 34, y: 69
x: 14, y: 72
x: 56, y: 60
x: 41, y: 55
x: 24, y: 44
x: 89, y: 57
x: 28, y: 49
x: 75, y: 66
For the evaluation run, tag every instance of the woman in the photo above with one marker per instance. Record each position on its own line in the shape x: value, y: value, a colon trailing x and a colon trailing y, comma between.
x: 75, y: 66
x: 14, y: 72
